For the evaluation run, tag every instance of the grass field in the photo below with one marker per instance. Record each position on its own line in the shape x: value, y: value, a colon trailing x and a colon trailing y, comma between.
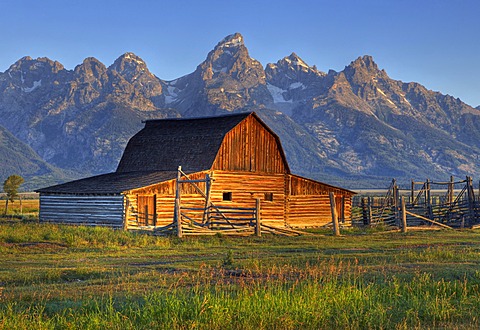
x: 61, y: 277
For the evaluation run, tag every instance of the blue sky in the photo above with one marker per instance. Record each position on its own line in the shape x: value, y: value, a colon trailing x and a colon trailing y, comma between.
x: 433, y: 42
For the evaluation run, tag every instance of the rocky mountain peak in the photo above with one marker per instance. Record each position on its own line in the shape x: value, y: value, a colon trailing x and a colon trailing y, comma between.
x: 364, y: 62
x: 231, y: 41
x: 90, y: 68
x: 130, y: 72
x: 230, y: 58
x: 291, y: 79
x: 295, y: 60
x: 41, y: 64
x: 292, y: 65
x: 129, y: 65
x: 228, y: 79
x: 364, y: 70
x: 27, y: 74
x: 229, y: 55
x: 363, y: 67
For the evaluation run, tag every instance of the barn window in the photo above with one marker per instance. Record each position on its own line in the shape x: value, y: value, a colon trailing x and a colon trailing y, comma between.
x: 269, y: 197
x: 227, y: 196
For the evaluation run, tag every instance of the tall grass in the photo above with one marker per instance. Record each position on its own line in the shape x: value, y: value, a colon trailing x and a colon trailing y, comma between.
x: 78, y: 237
x: 97, y: 278
x: 318, y: 299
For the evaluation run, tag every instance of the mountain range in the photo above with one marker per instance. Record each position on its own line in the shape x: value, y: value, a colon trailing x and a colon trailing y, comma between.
x: 355, y: 128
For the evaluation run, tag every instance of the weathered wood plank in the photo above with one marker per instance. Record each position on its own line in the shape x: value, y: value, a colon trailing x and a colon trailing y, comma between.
x: 81, y: 209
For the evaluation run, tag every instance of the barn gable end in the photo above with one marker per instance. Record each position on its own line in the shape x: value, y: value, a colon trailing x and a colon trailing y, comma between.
x: 251, y: 146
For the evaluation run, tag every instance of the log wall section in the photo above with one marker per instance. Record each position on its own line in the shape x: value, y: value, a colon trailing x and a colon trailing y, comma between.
x: 297, y: 201
x: 246, y: 188
x: 94, y: 210
x: 308, y: 203
x: 251, y: 147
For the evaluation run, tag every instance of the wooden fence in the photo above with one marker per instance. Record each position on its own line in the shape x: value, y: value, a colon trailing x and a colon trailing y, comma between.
x: 453, y: 207
x: 215, y: 219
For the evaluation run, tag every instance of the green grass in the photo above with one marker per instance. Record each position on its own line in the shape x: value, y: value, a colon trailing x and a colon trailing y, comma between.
x: 63, y: 277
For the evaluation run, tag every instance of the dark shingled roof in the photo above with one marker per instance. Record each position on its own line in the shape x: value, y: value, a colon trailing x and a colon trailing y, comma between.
x: 154, y: 154
x: 165, y: 144
x: 111, y: 183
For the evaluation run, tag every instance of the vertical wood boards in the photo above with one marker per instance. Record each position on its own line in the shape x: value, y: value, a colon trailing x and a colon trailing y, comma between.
x: 146, y: 210
x: 250, y: 147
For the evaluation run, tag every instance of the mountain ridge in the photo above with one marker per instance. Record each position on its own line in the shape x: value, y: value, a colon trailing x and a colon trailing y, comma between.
x: 353, y: 126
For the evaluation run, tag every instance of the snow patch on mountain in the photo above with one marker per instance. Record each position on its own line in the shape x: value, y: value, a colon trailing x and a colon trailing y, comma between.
x: 277, y: 94
x: 224, y: 70
x: 36, y: 84
x: 296, y: 85
x: 172, y: 94
x: 232, y: 41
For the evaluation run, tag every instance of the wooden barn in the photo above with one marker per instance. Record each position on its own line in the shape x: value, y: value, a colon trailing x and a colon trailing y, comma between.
x: 204, y: 171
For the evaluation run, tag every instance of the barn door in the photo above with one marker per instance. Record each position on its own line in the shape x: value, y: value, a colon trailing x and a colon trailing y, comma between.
x: 147, y: 210
x: 340, y: 207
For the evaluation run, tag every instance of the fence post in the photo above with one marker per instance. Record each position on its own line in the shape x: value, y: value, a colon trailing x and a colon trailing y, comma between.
x: 258, y: 228
x: 451, y: 186
x: 370, y: 216
x: 336, y: 227
x: 429, y: 200
x: 471, y: 201
x: 412, y: 193
x: 177, y: 215
x: 395, y: 204
x: 404, y: 215
x: 205, y: 218
x: 366, y: 212
x: 127, y: 212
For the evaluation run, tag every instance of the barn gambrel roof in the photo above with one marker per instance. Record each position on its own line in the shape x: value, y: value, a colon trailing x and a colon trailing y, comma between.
x: 165, y: 144
x: 156, y: 151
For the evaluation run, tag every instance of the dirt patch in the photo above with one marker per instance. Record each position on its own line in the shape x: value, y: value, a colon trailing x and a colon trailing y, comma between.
x: 35, y: 245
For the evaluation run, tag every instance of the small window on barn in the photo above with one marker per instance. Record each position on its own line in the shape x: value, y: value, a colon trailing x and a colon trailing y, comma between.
x: 227, y: 196
x: 269, y: 197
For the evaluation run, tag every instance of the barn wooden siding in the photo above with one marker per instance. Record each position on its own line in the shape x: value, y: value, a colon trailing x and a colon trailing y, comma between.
x: 163, y: 194
x: 308, y: 203
x: 246, y: 188
x: 251, y: 147
x: 98, y: 210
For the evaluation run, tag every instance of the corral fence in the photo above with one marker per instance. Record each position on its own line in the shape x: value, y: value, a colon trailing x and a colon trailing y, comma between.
x: 450, y: 204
